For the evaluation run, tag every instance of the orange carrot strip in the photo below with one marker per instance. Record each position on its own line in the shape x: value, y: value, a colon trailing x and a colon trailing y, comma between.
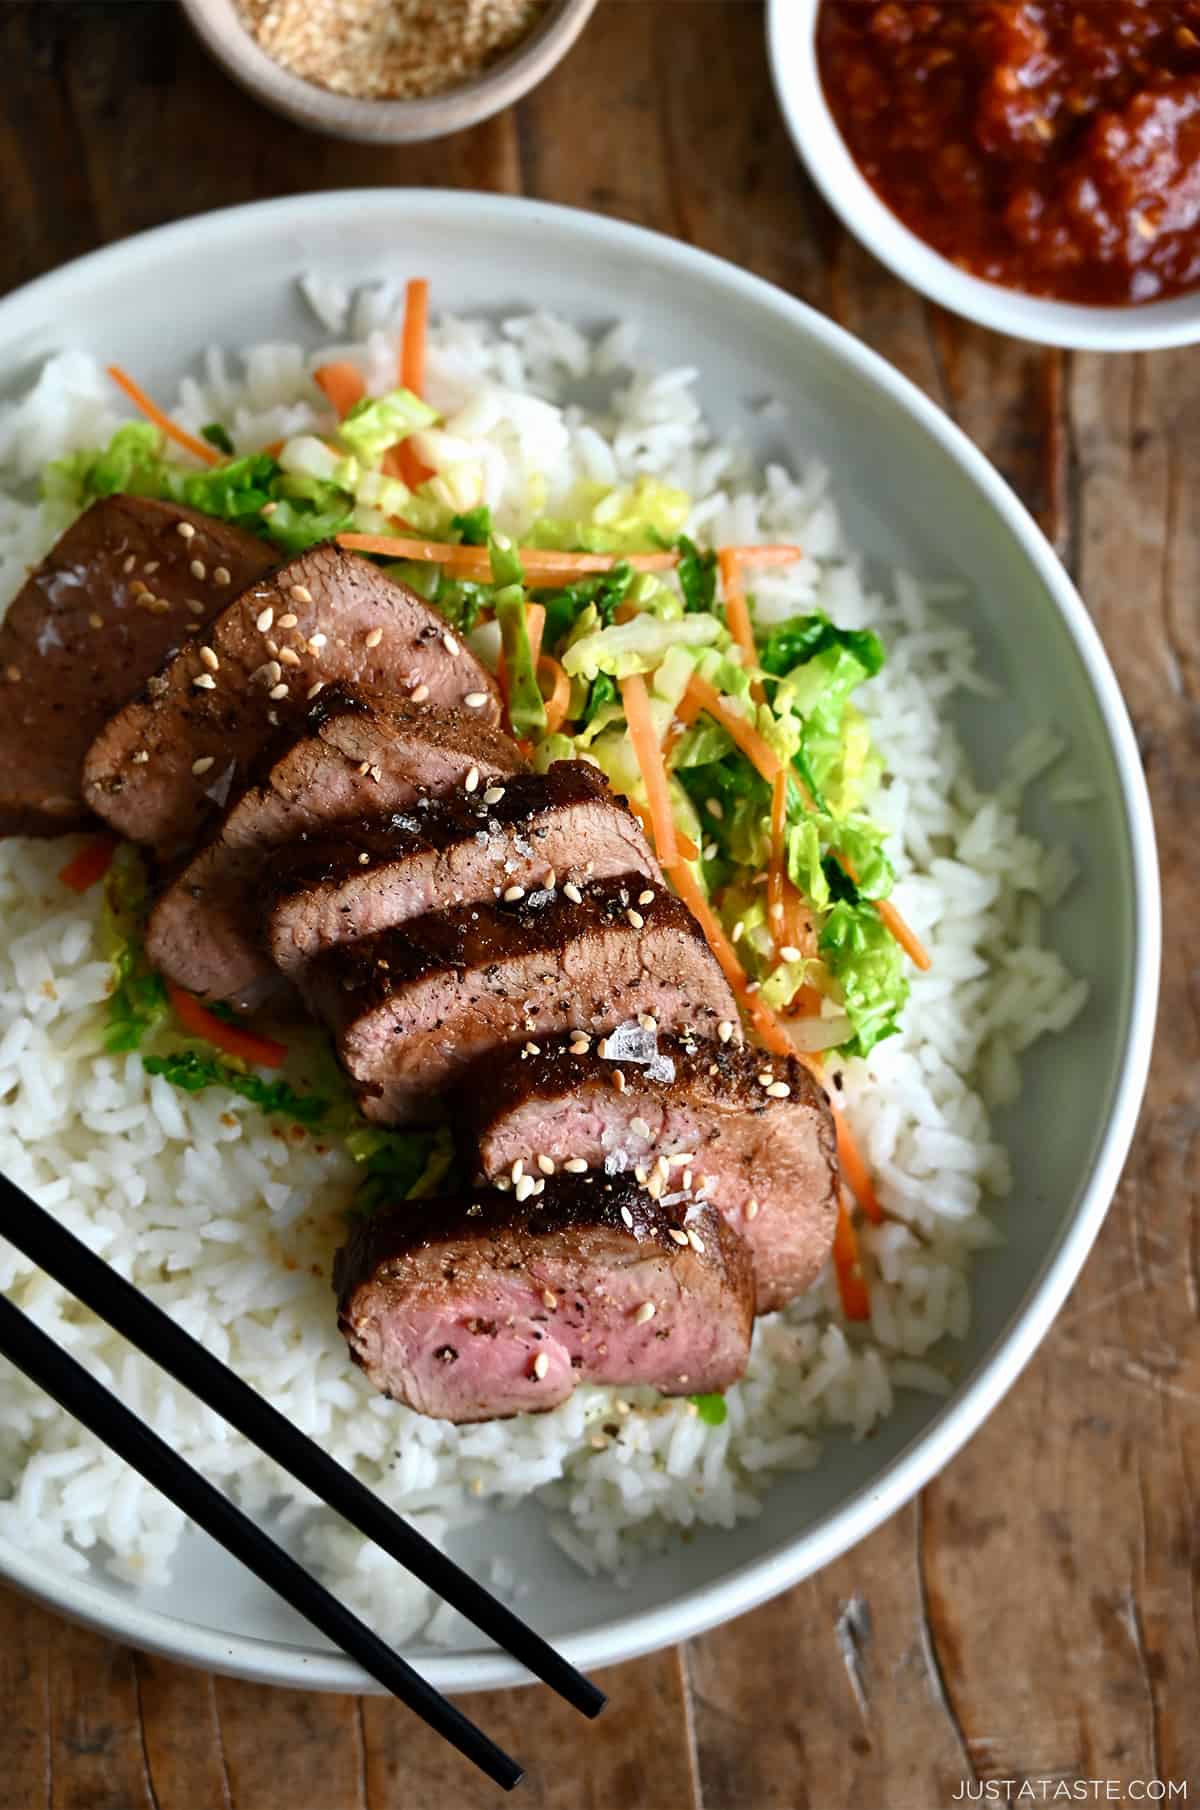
x: 762, y: 556
x: 854, y: 1168
x: 894, y: 923
x: 90, y: 864
x: 152, y: 412
x: 649, y: 758
x: 558, y: 698
x: 770, y: 1032
x: 541, y: 566
x: 412, y: 340
x: 737, y: 612
x: 400, y: 461
x: 847, y: 1263
x: 262, y: 1052
x: 741, y: 731
x: 687, y: 848
x: 686, y: 712
x: 776, y: 866
x: 343, y: 385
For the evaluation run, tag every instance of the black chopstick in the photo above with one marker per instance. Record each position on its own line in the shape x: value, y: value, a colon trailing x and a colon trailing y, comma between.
x: 98, y: 1286
x: 37, y: 1354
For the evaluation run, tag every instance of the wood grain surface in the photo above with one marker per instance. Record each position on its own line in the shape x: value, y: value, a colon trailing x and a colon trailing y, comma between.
x: 1034, y: 1615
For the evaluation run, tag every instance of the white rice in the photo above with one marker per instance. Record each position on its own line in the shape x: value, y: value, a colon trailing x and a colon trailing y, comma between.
x: 229, y: 1221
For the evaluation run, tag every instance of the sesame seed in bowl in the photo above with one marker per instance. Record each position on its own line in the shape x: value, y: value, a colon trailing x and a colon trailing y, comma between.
x: 388, y: 71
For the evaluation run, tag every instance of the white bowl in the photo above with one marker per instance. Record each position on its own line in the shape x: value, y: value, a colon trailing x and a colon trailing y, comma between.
x: 791, y: 37
x: 915, y: 492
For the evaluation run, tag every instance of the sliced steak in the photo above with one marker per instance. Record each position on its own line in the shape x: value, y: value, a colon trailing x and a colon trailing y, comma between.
x: 197, y: 727
x: 101, y: 613
x: 534, y: 831
x: 484, y: 1306
x: 412, y: 1009
x: 363, y: 753
x: 698, y: 1121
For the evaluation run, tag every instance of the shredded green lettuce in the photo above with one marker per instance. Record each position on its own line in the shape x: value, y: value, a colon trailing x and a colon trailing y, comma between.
x: 868, y: 965
x: 193, y: 1072
x: 137, y: 1004
x: 635, y: 646
x: 378, y: 422
x: 712, y: 1409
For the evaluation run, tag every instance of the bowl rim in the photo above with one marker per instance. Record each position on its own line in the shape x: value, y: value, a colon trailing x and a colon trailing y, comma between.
x: 220, y: 28
x: 628, y: 1636
x: 791, y: 29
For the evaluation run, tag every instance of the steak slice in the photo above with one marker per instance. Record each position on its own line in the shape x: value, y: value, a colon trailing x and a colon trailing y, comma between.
x: 113, y: 597
x: 362, y: 753
x: 484, y: 1306
x: 699, y: 1120
x: 533, y: 831
x: 411, y: 1009
x: 326, y: 616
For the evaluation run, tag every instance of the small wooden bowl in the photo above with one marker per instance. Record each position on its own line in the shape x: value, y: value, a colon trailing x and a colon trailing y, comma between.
x: 220, y: 27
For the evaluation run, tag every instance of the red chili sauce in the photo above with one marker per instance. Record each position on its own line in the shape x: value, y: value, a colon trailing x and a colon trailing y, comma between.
x: 1048, y: 145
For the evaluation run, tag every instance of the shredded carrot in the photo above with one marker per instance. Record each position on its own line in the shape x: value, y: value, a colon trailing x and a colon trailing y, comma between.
x: 199, y: 448
x: 687, y: 848
x: 262, y: 1052
x: 776, y: 866
x: 763, y: 556
x: 737, y: 613
x: 738, y: 728
x: 342, y: 383
x: 273, y: 448
x: 401, y: 461
x: 90, y: 864
x: 805, y: 1002
x: 854, y: 1168
x: 686, y: 712
x: 412, y: 341
x: 770, y: 1032
x: 896, y: 926
x: 558, y: 696
x: 650, y: 761
x: 847, y: 1263
x: 541, y: 566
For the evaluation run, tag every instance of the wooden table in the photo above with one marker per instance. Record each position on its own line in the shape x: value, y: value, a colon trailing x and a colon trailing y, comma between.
x: 1034, y: 1615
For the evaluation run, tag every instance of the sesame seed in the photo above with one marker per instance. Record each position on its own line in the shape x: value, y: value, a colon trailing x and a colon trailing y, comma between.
x: 138, y: 589
x: 627, y: 1216
x: 641, y: 1175
x: 289, y: 656
x: 419, y: 693
x: 679, y: 1236
x: 766, y: 1078
x: 645, y: 1312
x: 95, y: 620
x: 448, y: 642
x: 687, y: 1180
x: 264, y: 619
x: 300, y: 593
x: 647, y: 1021
x: 654, y: 1185
x: 777, y: 912
x: 546, y: 1164
x: 579, y: 1047
x: 196, y: 607
x: 151, y: 567
x: 268, y: 508
x: 364, y: 860
x: 636, y: 919
x: 373, y: 637
x: 524, y: 1188
x: 363, y: 768
x: 751, y: 1209
x: 602, y: 1049
x: 493, y: 795
x: 549, y: 880
x: 158, y: 606
x: 639, y: 1128
x: 549, y: 1298
x: 376, y: 773
x: 315, y: 690
x: 502, y: 1183
x: 790, y: 953
x: 140, y: 758
x: 198, y: 569
x: 512, y: 893
x: 203, y: 764
x: 715, y: 808
x: 472, y: 779
x: 204, y: 681
x: 316, y: 643
x: 272, y: 672
x: 541, y: 1364
x: 129, y: 563
x: 184, y: 530
x: 738, y: 931
x: 573, y: 893
x: 221, y: 575
x: 210, y: 659
x: 277, y: 691
x: 272, y: 648
x: 725, y: 1030
x: 779, y: 1090
x: 647, y: 897
x: 534, y: 1049
x: 474, y: 699
x: 696, y: 1243
x: 575, y: 1165
x: 518, y: 1169
x: 288, y: 620
x: 619, y: 1080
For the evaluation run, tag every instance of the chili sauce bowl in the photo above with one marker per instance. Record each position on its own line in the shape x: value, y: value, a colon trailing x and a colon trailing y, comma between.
x: 791, y: 40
